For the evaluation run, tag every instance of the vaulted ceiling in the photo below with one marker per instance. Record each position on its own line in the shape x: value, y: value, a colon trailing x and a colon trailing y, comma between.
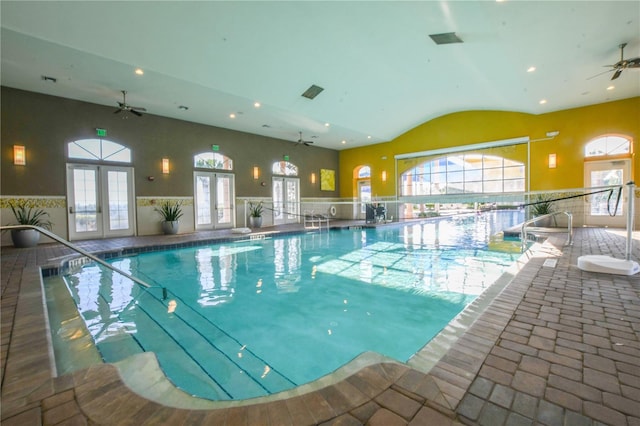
x: 244, y: 65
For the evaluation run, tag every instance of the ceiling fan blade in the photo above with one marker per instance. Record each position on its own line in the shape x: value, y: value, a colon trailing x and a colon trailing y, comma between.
x: 139, y: 109
x: 599, y: 74
x: 119, y: 110
x: 307, y: 143
x: 133, y: 111
x: 616, y: 74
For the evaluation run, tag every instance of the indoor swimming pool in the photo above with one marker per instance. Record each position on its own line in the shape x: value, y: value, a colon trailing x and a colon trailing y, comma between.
x: 250, y: 318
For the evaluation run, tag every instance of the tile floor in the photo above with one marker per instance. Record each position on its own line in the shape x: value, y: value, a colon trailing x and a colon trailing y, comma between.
x: 554, y: 346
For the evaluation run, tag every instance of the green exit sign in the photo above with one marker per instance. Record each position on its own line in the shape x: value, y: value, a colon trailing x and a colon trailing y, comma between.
x: 215, y: 148
x: 101, y: 132
x: 285, y: 157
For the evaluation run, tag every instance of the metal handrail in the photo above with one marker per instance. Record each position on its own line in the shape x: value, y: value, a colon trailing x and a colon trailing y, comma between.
x: 523, y: 232
x: 81, y: 251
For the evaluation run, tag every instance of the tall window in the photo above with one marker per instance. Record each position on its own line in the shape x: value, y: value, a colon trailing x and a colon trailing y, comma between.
x: 98, y: 149
x: 607, y: 145
x: 466, y: 173
x: 212, y: 160
x: 284, y: 168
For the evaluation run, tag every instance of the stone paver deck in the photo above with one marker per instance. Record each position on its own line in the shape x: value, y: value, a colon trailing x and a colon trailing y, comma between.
x: 556, y: 346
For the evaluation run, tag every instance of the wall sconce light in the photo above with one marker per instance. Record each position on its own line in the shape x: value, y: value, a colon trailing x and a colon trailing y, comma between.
x: 384, y: 175
x: 313, y: 178
x: 552, y: 161
x: 19, y: 155
x: 165, y: 166
x: 256, y: 172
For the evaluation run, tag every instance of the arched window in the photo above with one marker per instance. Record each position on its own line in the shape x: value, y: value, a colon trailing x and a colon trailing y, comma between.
x: 212, y: 160
x: 364, y: 172
x: 468, y: 173
x: 607, y: 145
x: 284, y: 168
x: 98, y: 149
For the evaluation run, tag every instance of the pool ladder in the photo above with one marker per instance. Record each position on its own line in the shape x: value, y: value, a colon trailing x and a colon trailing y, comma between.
x: 523, y: 232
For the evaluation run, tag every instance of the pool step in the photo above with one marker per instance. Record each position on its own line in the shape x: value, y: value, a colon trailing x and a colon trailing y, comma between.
x: 233, y: 372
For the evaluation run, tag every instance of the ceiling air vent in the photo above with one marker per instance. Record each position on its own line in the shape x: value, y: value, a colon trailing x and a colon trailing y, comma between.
x: 445, y: 38
x: 312, y: 91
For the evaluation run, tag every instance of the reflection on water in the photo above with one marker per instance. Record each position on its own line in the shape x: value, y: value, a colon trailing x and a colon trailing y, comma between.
x: 251, y: 318
x: 103, y: 304
x: 211, y: 263
x: 287, y: 261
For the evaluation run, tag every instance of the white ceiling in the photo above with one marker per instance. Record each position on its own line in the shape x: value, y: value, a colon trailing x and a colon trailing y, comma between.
x: 381, y: 73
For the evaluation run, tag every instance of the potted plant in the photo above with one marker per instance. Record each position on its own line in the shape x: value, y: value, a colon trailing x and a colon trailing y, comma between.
x: 171, y: 212
x: 255, y: 214
x: 26, y: 215
x: 542, y: 205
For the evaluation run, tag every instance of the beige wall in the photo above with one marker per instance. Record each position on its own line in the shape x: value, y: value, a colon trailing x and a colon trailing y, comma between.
x: 45, y: 124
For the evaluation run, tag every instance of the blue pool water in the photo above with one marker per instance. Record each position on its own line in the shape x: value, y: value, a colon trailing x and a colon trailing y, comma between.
x: 252, y: 318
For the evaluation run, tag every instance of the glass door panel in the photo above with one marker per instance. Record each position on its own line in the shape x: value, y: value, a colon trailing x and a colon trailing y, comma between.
x: 118, y: 196
x: 214, y: 195
x: 89, y: 189
x: 603, y: 209
x: 224, y: 200
x: 292, y: 192
x: 364, y: 195
x: 278, y: 201
x: 286, y: 200
x: 203, y: 200
x: 85, y: 220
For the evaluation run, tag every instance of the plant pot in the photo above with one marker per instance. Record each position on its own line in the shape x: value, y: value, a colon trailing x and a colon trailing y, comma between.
x: 170, y: 227
x: 255, y: 222
x: 23, y: 238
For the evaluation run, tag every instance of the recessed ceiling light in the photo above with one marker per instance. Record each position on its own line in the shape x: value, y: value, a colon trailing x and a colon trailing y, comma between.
x: 344, y: 142
x: 611, y: 87
x: 327, y: 124
x: 542, y: 101
x: 531, y: 69
x: 232, y: 115
x: 139, y: 71
x: 257, y: 104
x: 369, y: 137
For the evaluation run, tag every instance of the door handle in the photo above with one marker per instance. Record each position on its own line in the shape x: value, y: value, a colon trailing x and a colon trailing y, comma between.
x: 71, y: 211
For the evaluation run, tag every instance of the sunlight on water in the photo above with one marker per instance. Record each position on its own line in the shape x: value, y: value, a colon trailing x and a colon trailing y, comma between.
x: 245, y: 319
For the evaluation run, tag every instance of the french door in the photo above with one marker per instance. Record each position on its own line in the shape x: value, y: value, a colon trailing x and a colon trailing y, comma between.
x: 601, y: 209
x: 214, y: 195
x: 100, y: 201
x: 364, y: 195
x: 286, y: 200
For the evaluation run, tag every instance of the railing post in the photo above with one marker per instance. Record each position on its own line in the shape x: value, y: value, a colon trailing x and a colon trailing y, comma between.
x: 630, y: 213
x: 79, y: 250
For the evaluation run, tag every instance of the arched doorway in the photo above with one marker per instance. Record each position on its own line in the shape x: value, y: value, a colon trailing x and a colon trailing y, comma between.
x: 100, y: 191
x: 607, y: 162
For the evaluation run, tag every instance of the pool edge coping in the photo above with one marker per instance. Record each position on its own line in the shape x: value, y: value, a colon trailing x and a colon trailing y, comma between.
x: 447, y: 337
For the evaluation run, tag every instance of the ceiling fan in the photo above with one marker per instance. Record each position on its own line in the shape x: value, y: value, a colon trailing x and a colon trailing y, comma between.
x: 301, y: 141
x: 623, y: 63
x: 123, y: 106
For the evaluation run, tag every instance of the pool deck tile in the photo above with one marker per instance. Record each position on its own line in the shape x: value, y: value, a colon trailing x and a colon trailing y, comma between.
x: 557, y: 345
